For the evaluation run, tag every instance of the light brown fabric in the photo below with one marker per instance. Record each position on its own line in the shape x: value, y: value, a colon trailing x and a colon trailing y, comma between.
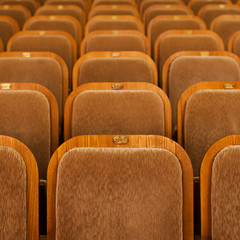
x: 112, y: 42
x: 13, y: 210
x: 7, y: 29
x: 167, y: 24
x: 225, y: 194
x: 119, y: 194
x: 25, y: 115
x: 175, y: 43
x: 17, y: 14
x: 65, y: 25
x: 209, y: 14
x: 209, y: 116
x: 58, y: 44
x: 110, y: 24
x: 226, y: 28
x: 154, y: 12
x: 115, y: 70
x: 114, y: 11
x: 236, y: 44
x: 74, y: 12
x: 41, y: 70
x: 118, y: 112
x: 184, y: 71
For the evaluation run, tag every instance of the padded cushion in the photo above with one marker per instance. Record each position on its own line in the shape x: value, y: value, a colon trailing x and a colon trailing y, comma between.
x: 118, y: 112
x: 7, y: 30
x: 184, y: 71
x: 119, y: 194
x: 225, y: 194
x: 13, y: 210
x: 209, y: 116
x: 112, y: 42
x: 25, y: 115
x: 115, y: 69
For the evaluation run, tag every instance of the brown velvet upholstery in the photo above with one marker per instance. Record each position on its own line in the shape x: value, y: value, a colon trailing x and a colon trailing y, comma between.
x: 99, y: 67
x: 209, y: 12
x: 209, y: 116
x: 225, y: 192
x: 119, y: 194
x: 118, y: 112
x: 115, y: 41
x: 80, y: 3
x: 186, y: 70
x: 13, y: 209
x: 113, y: 10
x: 225, y: 26
x: 25, y: 115
x: 41, y: 69
x: 158, y: 9
x: 17, y: 12
x: 196, y: 5
x: 114, y: 22
x: 69, y: 10
x: 144, y: 4
x: 172, y: 43
x: 31, y: 5
x: 161, y: 24
x: 52, y: 41
x: 8, y: 27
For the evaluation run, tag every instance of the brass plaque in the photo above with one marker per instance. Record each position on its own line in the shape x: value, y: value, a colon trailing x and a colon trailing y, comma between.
x: 26, y: 54
x: 167, y: 6
x: 115, y: 32
x: 114, y: 6
x: 222, y: 6
x: 6, y: 7
x: 228, y: 85
x: 52, y: 17
x: 176, y: 17
x: 117, y: 86
x: 204, y: 53
x: 115, y: 54
x: 120, y: 140
x: 114, y: 17
x: 60, y: 7
x: 6, y: 86
x: 189, y: 32
x: 41, y: 33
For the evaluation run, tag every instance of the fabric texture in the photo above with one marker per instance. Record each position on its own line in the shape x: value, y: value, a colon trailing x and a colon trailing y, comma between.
x: 7, y: 29
x: 209, y: 116
x: 119, y: 194
x: 25, y: 115
x: 115, y: 70
x: 13, y: 209
x: 118, y: 112
x: 236, y: 44
x: 225, y: 194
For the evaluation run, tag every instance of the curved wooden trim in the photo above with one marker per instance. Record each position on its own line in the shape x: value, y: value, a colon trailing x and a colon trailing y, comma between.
x: 32, y: 184
x: 135, y: 141
x: 185, y: 32
x: 47, y: 33
x: 108, y: 86
x: 231, y: 41
x: 11, y: 20
x: 174, y: 18
x: 217, y: 6
x: 169, y: 61
x: 118, y: 32
x: 186, y: 94
x: 159, y: 2
x: 46, y: 55
x: 1, y: 45
x: 114, y: 18
x: 102, y: 7
x: 54, y: 114
x: 205, y: 181
x: 123, y: 54
x: 223, y: 17
x: 114, y: 2
x: 164, y: 6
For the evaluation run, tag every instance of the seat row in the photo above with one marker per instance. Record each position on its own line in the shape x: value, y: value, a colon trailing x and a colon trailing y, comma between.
x: 132, y: 186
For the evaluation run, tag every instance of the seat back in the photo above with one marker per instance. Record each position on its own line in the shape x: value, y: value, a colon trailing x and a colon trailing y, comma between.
x: 121, y: 108
x: 220, y: 176
x: 120, y: 187
x: 122, y: 40
x: 29, y: 112
x: 209, y: 12
x: 19, y: 199
x: 183, y: 69
x: 160, y: 24
x: 233, y: 44
x: 207, y: 111
x: 19, y: 13
x: 171, y: 42
x: 114, y: 66
x: 113, y: 2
